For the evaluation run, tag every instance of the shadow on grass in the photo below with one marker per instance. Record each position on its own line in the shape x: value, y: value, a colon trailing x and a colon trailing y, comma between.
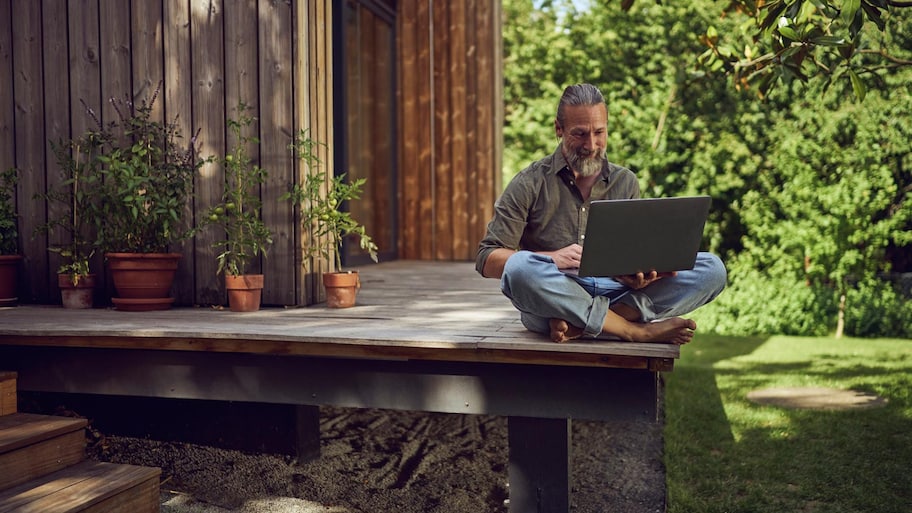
x: 697, y: 431
x: 724, y: 453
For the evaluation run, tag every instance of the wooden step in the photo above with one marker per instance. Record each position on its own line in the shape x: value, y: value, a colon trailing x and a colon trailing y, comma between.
x: 87, y: 487
x: 34, y: 445
x: 7, y: 392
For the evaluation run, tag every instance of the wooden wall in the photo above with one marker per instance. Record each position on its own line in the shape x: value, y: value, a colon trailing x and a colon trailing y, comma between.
x: 277, y: 58
x: 451, y: 104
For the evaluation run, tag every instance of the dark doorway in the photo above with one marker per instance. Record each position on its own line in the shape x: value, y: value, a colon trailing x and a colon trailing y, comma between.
x: 366, y: 134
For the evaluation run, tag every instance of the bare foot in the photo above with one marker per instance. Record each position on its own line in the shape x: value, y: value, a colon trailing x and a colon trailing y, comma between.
x: 673, y: 331
x: 676, y: 330
x: 562, y: 331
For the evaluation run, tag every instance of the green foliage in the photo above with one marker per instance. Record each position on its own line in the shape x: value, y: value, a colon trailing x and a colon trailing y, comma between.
x: 238, y: 213
x: 71, y: 199
x: 145, y: 180
x: 783, y: 41
x: 9, y: 232
x: 809, y: 187
x: 829, y: 195
x: 320, y: 200
x: 758, y: 303
x: 533, y: 48
x: 878, y: 308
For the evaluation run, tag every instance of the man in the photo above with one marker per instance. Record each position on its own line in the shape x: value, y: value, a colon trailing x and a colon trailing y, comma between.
x: 536, y: 234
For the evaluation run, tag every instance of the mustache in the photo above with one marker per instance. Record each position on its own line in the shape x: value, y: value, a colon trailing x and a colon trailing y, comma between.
x: 580, y: 155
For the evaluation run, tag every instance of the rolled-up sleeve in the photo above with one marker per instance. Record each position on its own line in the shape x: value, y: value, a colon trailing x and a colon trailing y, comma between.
x: 506, y: 228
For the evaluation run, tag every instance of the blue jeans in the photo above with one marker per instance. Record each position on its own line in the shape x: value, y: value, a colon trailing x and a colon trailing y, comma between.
x: 541, y: 292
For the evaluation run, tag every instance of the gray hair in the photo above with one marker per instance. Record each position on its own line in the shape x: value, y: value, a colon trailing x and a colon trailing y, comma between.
x: 578, y: 94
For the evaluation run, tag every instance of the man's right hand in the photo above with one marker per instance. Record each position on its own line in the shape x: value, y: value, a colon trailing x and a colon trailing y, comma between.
x: 566, y: 258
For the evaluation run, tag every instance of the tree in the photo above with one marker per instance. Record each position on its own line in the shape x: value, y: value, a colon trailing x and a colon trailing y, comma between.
x: 831, y: 198
x: 797, y: 39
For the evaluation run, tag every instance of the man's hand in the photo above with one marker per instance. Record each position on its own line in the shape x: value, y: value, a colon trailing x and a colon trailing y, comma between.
x: 568, y: 257
x: 641, y: 280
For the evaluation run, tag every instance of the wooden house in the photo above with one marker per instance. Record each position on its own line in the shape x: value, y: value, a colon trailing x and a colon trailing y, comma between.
x: 405, y: 93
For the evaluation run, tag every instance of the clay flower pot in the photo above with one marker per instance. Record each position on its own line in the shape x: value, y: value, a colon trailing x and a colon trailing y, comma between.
x: 9, y: 279
x: 341, y: 288
x: 244, y: 292
x: 143, y: 280
x: 76, y: 295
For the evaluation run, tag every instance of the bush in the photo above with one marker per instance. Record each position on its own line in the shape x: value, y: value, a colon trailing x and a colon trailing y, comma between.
x: 876, y: 308
x: 756, y: 304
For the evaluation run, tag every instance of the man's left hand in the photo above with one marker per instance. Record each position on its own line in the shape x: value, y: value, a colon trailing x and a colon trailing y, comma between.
x: 641, y: 280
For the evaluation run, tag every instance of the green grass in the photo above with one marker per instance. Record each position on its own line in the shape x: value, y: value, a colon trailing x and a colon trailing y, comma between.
x: 726, y: 454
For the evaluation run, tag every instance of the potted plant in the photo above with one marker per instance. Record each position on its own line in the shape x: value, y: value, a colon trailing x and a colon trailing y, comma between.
x: 146, y: 177
x: 320, y: 200
x: 71, y: 200
x: 238, y: 214
x: 9, y: 239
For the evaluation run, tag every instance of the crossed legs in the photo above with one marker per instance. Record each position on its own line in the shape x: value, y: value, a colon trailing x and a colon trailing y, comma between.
x: 567, y: 307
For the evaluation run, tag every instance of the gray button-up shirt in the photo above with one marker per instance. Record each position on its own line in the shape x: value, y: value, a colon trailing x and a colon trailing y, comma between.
x: 543, y: 210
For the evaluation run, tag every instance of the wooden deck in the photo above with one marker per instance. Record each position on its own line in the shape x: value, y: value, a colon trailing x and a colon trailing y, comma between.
x: 424, y: 337
x: 406, y: 310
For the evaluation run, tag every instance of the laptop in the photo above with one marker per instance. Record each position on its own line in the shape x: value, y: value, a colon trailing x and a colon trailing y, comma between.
x: 639, y: 235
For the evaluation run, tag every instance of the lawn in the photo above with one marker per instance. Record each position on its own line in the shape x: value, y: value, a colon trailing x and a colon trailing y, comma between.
x: 726, y: 454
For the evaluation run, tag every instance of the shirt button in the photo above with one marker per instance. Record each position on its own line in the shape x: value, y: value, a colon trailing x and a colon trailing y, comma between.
x: 582, y: 237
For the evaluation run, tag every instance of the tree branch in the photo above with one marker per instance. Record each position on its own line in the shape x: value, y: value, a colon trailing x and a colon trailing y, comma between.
x: 883, y: 53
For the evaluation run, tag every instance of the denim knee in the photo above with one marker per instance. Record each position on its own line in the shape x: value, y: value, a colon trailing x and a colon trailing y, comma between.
x: 715, y: 274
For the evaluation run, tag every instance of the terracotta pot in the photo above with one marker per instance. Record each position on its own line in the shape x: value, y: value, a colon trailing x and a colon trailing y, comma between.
x: 244, y: 292
x: 77, y: 295
x: 9, y: 279
x: 341, y: 288
x: 143, y: 280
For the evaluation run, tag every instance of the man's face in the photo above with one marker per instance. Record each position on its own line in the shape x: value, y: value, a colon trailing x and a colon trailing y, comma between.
x: 584, y: 137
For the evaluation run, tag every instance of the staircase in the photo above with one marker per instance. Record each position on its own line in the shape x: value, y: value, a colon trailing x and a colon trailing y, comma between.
x: 43, y: 468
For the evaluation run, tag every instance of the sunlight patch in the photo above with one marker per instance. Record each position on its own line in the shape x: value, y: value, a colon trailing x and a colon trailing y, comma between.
x: 815, y: 398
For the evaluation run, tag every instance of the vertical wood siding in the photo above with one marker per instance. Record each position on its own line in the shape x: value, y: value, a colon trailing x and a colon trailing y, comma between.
x: 59, y: 57
x: 450, y: 102
x: 314, y: 77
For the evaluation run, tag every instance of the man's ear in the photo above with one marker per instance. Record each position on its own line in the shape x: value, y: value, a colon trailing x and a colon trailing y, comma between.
x: 558, y: 130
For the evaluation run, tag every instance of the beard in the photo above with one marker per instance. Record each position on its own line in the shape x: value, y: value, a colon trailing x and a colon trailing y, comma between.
x: 583, y: 162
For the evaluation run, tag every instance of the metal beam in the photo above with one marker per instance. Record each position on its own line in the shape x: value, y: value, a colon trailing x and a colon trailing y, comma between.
x: 474, y: 388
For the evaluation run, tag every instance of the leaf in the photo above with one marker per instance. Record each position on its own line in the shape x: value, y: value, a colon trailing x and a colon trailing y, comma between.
x: 873, y: 13
x: 772, y: 17
x: 829, y: 41
x: 847, y: 51
x: 848, y: 10
x: 858, y: 86
x: 789, y: 32
x: 712, y: 34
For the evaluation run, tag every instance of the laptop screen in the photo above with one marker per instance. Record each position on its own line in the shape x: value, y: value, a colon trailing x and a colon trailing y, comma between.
x: 640, y: 235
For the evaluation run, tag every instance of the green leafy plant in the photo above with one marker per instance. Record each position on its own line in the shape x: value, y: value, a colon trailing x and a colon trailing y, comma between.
x: 78, y: 163
x: 145, y: 180
x: 320, y: 199
x: 238, y: 214
x: 9, y: 233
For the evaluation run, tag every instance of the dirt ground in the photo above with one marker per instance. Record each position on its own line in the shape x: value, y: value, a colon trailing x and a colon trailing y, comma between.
x: 383, y: 461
